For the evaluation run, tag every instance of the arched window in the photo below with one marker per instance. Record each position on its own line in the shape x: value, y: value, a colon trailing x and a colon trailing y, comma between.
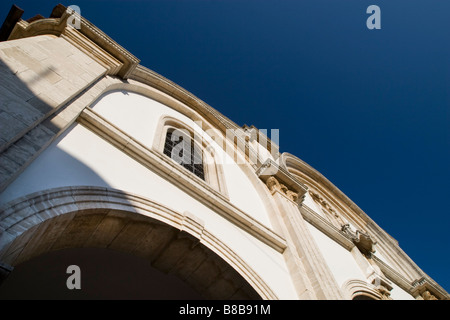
x: 181, y: 148
x: 192, y: 150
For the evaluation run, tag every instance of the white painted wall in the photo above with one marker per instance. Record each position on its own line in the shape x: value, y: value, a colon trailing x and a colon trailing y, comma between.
x: 309, y: 201
x: 81, y: 158
x: 340, y: 261
x: 398, y: 293
x: 138, y: 116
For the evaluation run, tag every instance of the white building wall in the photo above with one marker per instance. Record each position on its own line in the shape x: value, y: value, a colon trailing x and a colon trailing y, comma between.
x: 79, y: 157
x: 138, y: 116
x: 339, y: 260
x: 309, y: 201
x: 398, y: 293
x: 344, y: 266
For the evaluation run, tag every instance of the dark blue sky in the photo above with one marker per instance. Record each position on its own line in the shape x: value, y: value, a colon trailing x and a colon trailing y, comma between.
x: 369, y: 109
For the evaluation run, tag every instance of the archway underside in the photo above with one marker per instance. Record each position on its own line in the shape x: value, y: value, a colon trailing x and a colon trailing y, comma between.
x: 168, y: 249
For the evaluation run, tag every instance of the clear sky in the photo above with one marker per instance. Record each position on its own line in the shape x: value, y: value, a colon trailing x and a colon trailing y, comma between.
x: 369, y: 109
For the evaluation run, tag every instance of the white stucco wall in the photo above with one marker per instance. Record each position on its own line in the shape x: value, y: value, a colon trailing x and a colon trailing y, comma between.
x: 398, y: 293
x: 309, y: 201
x: 79, y: 157
x: 138, y: 116
x: 340, y: 260
x: 344, y: 266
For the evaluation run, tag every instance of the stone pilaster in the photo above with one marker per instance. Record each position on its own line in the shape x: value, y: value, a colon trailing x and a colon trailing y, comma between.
x: 317, y: 277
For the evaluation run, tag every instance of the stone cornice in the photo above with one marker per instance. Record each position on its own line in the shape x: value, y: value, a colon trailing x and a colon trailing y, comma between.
x: 427, y: 289
x: 288, y: 160
x: 88, y: 39
x: 418, y: 287
x: 383, y: 239
x: 157, y: 81
x: 270, y: 169
x: 180, y: 177
x: 221, y: 122
x: 326, y: 227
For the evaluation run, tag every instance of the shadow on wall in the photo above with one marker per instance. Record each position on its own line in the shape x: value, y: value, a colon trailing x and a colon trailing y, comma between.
x: 121, y: 254
x: 105, y: 273
x: 25, y: 116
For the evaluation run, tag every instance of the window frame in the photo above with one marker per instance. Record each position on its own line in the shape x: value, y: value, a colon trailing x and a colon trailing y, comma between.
x: 212, y: 168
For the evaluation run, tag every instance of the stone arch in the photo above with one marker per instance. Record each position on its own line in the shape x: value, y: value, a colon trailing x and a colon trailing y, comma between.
x: 360, y: 290
x: 105, y: 218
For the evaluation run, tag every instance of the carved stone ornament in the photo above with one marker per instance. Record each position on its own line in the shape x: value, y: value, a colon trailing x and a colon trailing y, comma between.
x: 424, y: 289
x: 322, y: 202
x: 384, y: 292
x: 361, y: 239
x: 273, y: 184
x: 428, y: 296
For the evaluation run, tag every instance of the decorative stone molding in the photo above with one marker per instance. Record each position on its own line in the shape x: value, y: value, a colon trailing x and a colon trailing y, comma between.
x: 284, y: 181
x: 317, y: 276
x: 356, y: 288
x: 322, y: 202
x: 427, y: 289
x: 384, y: 292
x: 214, y: 175
x: 428, y: 296
x: 361, y: 239
x: 325, y: 226
x: 88, y: 39
x: 80, y: 41
x: 273, y: 184
x: 292, y: 195
x: 381, y: 283
x: 143, y: 75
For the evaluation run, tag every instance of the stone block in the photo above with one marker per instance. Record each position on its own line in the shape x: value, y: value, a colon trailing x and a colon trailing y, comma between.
x: 10, y: 127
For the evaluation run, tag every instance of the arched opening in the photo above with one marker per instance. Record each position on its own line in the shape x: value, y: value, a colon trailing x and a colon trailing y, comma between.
x: 105, y: 274
x: 87, y: 217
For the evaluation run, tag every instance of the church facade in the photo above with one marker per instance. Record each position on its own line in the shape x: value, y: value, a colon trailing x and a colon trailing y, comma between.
x: 98, y: 151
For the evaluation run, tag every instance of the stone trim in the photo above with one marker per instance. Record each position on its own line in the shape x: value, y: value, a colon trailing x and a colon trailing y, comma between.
x: 320, y: 279
x: 24, y: 213
x: 149, y: 77
x: 78, y: 40
x: 271, y: 169
x: 356, y: 287
x: 213, y: 168
x: 426, y: 289
x: 387, y: 245
x: 326, y: 227
x: 184, y: 179
x: 290, y: 161
x: 89, y: 37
